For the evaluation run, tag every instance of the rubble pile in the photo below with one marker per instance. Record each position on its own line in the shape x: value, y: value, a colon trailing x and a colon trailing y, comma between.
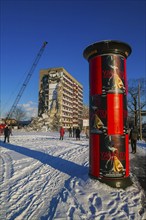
x: 39, y: 124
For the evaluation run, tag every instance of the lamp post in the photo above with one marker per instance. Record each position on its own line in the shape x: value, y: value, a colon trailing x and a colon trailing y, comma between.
x: 109, y: 142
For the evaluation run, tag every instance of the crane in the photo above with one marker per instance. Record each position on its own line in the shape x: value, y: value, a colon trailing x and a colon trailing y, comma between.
x: 9, y: 115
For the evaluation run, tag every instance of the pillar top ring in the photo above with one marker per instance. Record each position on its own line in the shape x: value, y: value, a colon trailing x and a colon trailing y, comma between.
x: 107, y: 47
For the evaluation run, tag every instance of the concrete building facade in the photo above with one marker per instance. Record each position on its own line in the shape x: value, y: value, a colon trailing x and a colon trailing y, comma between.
x: 60, y: 97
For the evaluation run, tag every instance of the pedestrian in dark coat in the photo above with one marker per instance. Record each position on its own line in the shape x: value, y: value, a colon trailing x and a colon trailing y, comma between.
x: 62, y: 132
x: 74, y: 132
x: 70, y: 132
x: 7, y: 132
x: 78, y: 131
x: 134, y: 136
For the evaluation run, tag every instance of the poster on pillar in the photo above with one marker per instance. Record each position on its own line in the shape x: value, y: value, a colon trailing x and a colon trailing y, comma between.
x: 98, y: 114
x: 112, y: 156
x: 113, y: 74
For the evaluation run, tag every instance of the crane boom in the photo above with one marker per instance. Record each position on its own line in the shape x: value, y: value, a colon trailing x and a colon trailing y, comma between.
x: 26, y: 80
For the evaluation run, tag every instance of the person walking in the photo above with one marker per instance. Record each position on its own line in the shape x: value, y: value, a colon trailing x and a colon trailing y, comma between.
x: 78, y: 131
x: 134, y: 136
x: 7, y: 132
x: 74, y: 132
x: 62, y: 132
x: 70, y: 132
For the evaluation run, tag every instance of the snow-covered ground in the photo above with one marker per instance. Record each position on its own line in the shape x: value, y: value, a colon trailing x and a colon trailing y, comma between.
x: 43, y: 178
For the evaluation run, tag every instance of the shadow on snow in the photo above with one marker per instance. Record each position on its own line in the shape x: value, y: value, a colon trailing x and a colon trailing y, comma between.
x: 64, y: 166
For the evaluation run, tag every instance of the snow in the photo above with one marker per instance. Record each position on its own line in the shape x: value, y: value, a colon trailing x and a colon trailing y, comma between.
x: 44, y: 178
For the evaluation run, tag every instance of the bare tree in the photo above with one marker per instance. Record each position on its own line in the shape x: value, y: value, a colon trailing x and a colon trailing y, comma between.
x: 136, y: 86
x: 19, y: 114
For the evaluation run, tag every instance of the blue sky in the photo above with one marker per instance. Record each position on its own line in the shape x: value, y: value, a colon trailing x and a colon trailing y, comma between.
x: 68, y: 27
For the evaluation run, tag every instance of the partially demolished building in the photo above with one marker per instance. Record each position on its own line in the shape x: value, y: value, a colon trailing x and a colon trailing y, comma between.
x: 60, y: 98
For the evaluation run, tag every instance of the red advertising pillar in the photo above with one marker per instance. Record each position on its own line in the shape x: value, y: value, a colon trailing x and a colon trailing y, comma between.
x: 109, y: 144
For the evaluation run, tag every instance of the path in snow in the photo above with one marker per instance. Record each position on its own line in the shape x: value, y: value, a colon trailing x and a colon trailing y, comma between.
x: 45, y: 178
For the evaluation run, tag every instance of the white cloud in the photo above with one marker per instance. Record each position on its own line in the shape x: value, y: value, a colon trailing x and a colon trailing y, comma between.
x: 31, y: 109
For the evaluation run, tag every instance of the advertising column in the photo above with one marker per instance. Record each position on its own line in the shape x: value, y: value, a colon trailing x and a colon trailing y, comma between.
x: 109, y: 143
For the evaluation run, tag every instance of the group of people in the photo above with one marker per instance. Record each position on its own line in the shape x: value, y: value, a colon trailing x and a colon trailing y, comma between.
x: 73, y: 132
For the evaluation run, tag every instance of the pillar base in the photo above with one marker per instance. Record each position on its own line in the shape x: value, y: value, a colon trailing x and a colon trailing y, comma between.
x: 120, y: 183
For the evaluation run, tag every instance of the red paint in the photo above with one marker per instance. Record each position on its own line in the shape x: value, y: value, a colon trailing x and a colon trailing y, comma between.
x: 95, y: 76
x: 94, y: 155
x: 115, y: 114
